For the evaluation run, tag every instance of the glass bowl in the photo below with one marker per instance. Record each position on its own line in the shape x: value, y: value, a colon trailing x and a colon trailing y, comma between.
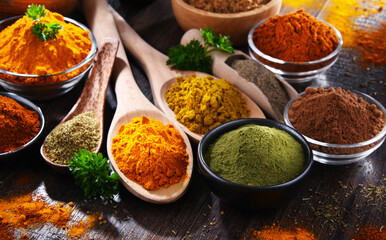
x: 252, y: 197
x: 362, y: 149
x: 24, y: 102
x: 294, y: 72
x: 43, y: 92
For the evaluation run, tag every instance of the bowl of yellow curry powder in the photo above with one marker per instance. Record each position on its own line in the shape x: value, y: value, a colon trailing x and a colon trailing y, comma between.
x: 45, y: 57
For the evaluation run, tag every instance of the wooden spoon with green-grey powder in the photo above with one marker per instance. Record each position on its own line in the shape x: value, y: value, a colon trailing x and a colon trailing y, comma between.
x: 83, y: 125
x: 266, y: 89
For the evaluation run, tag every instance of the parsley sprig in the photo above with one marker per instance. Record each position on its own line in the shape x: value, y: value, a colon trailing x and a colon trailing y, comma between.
x: 44, y: 31
x: 194, y: 56
x: 93, y: 174
x: 36, y: 11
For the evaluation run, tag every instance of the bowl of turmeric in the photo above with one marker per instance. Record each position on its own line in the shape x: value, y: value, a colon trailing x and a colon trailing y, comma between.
x: 42, y: 57
x: 296, y: 46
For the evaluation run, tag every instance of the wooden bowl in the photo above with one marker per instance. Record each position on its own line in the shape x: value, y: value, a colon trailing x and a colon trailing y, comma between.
x: 235, y: 25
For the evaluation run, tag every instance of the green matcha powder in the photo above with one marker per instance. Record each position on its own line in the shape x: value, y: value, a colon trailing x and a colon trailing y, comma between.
x: 256, y: 155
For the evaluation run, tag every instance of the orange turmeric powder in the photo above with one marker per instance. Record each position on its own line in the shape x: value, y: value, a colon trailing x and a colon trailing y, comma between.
x: 22, y: 52
x: 150, y: 153
x: 28, y: 212
x: 275, y: 232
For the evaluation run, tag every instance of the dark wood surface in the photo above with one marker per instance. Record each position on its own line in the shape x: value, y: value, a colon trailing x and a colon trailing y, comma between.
x: 334, y: 202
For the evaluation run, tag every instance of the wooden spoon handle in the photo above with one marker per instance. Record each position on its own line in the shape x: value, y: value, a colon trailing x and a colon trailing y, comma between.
x: 94, y: 91
x: 151, y: 60
x: 93, y: 95
x: 102, y: 24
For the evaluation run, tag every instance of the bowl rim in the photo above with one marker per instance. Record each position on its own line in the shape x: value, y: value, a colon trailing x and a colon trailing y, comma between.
x: 254, y: 11
x: 86, y: 60
x: 375, y: 139
x: 262, y: 122
x: 330, y: 56
x: 31, y: 106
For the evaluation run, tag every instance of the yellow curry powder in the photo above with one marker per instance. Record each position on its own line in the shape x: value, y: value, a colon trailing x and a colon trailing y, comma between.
x: 150, y: 153
x: 202, y: 103
x: 22, y: 52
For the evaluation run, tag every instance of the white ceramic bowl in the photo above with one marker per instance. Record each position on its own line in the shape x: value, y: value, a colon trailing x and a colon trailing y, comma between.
x: 43, y: 92
x: 365, y: 148
x: 291, y: 71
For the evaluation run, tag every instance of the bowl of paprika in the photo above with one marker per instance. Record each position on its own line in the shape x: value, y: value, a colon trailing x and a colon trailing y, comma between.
x: 342, y: 126
x: 21, y: 124
x: 296, y: 46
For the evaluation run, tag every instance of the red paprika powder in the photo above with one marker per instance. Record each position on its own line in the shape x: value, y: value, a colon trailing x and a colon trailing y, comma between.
x: 18, y: 125
x: 335, y: 116
x: 295, y: 37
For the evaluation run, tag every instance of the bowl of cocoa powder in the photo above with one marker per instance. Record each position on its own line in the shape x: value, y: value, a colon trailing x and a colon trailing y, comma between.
x: 342, y: 126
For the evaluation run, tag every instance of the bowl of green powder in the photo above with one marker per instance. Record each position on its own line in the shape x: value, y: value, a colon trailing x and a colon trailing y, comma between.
x: 254, y: 163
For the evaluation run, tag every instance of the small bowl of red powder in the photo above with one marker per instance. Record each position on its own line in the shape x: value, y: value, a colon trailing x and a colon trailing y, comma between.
x: 41, y: 70
x: 21, y: 124
x: 296, y: 46
x: 342, y: 126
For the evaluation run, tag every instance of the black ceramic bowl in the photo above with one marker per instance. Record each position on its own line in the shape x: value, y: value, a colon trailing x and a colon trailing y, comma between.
x: 249, y: 196
x: 30, y: 105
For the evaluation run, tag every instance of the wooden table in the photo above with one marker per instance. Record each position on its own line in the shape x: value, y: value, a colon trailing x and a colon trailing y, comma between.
x: 333, y: 203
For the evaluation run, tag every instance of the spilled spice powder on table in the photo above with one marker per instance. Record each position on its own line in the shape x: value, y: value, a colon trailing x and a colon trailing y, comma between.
x: 23, y: 211
x: 370, y: 233
x: 18, y: 124
x: 276, y: 232
x: 150, y: 153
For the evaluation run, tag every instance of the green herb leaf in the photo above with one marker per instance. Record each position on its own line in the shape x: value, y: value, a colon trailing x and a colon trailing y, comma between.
x: 51, y: 29
x: 35, y: 11
x: 93, y: 174
x: 46, y: 31
x: 219, y: 42
x: 194, y: 56
x: 190, y: 57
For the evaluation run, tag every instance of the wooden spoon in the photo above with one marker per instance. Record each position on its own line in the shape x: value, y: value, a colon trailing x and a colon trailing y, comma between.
x: 161, y: 77
x: 132, y: 103
x: 221, y: 68
x: 93, y: 95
